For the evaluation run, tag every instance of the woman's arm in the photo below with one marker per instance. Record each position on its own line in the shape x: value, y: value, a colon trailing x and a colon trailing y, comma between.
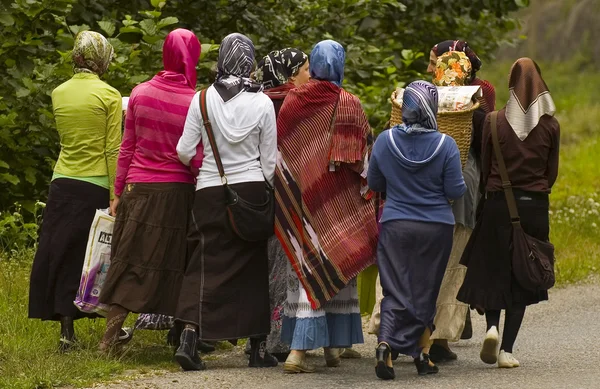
x: 454, y: 182
x: 127, y: 148
x: 268, y: 143
x: 187, y: 147
x: 375, y: 177
x: 554, y: 155
x: 112, y: 140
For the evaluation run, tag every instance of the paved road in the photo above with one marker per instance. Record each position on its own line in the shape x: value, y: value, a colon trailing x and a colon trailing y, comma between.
x: 558, y: 347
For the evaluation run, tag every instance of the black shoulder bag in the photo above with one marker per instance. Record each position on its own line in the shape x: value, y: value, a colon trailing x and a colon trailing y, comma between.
x: 251, y: 222
x: 532, y: 259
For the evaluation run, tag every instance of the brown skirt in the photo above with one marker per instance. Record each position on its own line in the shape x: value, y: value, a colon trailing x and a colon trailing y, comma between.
x: 226, y: 287
x: 56, y: 270
x: 149, y: 248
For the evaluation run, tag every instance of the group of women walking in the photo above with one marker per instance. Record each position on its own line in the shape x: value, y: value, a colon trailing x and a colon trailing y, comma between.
x: 285, y: 132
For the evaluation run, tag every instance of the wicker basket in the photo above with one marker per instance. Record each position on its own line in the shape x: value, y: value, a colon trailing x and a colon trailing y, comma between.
x: 456, y: 124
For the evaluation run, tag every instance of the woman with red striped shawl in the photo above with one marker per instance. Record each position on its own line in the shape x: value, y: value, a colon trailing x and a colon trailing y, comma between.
x: 325, y: 217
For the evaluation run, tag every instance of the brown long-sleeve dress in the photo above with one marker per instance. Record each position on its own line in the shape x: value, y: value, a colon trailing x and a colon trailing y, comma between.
x: 532, y: 166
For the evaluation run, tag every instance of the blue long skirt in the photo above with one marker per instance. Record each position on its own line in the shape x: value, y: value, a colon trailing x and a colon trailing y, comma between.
x: 412, y: 257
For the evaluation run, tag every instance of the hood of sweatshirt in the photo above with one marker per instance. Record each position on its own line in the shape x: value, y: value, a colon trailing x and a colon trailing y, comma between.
x: 238, y: 117
x: 417, y: 150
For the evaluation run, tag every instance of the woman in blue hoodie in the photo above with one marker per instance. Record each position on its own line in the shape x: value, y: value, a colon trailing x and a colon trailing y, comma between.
x: 419, y: 169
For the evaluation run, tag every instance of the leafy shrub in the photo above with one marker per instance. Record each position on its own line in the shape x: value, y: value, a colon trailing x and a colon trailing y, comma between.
x: 16, y: 233
x: 387, y: 44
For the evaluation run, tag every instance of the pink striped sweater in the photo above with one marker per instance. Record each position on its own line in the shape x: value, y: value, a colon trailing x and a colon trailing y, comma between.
x: 156, y: 115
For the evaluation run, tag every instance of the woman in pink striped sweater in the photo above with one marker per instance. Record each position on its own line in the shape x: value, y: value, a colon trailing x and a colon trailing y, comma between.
x: 154, y: 192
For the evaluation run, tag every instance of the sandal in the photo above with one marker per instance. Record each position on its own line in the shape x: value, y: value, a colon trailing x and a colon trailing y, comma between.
x: 294, y: 365
x: 332, y: 357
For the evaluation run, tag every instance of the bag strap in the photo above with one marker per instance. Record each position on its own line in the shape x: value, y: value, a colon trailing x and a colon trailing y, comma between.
x: 506, y: 184
x: 335, y: 107
x: 332, y: 129
x: 211, y: 136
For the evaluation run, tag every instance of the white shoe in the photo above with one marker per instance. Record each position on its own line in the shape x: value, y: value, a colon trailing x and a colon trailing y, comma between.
x: 507, y: 361
x: 489, y: 350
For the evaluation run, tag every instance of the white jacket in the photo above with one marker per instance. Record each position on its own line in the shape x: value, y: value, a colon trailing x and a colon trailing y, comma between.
x: 246, y: 135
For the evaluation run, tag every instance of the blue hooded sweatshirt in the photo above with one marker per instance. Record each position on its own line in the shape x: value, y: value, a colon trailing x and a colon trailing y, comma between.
x: 419, y: 172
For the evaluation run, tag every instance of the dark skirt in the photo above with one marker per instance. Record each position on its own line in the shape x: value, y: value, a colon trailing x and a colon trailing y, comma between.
x: 149, y: 248
x: 412, y: 258
x: 489, y: 283
x: 226, y: 287
x: 58, y: 262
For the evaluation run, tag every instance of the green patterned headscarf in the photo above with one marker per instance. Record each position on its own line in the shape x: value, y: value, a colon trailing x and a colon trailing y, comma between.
x: 92, y: 53
x: 453, y: 69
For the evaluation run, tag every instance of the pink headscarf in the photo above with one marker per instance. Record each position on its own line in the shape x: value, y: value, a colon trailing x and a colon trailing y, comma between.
x: 181, y: 53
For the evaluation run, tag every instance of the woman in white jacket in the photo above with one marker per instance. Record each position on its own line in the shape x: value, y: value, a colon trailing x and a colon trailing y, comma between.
x: 225, y: 293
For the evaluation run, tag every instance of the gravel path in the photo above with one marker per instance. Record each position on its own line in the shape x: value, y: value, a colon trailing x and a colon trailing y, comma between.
x: 558, y: 347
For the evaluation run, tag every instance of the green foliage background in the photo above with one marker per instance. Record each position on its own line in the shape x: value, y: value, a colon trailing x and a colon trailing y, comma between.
x: 387, y: 43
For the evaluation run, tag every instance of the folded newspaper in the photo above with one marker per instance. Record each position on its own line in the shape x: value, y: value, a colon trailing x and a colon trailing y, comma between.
x: 451, y: 98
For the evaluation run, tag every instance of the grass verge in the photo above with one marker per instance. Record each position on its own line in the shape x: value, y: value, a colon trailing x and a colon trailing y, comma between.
x: 28, y: 348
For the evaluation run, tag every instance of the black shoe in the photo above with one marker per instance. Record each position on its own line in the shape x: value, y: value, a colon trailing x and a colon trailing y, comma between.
x: 187, y: 354
x: 206, y: 347
x: 125, y: 336
x: 65, y: 345
x: 173, y: 337
x: 468, y: 331
x: 67, y: 334
x: 259, y: 356
x: 395, y: 355
x: 281, y: 357
x: 439, y: 354
x: 382, y: 370
x: 425, y: 366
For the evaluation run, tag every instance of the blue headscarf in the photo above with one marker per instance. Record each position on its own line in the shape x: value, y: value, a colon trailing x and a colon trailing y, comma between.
x: 327, y: 62
x: 419, y: 108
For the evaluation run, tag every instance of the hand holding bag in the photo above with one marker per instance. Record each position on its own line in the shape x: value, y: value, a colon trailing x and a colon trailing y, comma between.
x: 532, y: 259
x: 251, y: 222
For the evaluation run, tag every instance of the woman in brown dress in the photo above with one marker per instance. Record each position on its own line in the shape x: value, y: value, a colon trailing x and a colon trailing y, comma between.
x: 154, y: 192
x: 529, y: 139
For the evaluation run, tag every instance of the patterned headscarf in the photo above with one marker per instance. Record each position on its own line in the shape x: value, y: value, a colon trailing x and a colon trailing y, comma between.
x: 236, y: 60
x: 529, y: 98
x: 419, y: 108
x: 327, y: 62
x: 92, y: 53
x: 463, y: 46
x: 453, y: 69
x: 278, y: 66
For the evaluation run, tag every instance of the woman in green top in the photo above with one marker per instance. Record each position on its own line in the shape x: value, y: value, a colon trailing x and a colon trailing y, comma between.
x: 88, y: 119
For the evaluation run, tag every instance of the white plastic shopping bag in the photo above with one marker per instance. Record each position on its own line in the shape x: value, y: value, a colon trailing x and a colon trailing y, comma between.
x: 95, y: 265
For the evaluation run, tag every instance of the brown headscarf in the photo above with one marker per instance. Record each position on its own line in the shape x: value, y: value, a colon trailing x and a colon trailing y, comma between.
x: 529, y: 97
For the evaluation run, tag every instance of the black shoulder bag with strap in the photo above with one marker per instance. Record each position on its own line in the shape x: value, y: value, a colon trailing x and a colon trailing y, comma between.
x: 532, y: 259
x: 251, y: 222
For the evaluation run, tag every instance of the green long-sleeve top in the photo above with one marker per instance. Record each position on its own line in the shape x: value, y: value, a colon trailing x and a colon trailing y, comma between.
x: 88, y: 119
